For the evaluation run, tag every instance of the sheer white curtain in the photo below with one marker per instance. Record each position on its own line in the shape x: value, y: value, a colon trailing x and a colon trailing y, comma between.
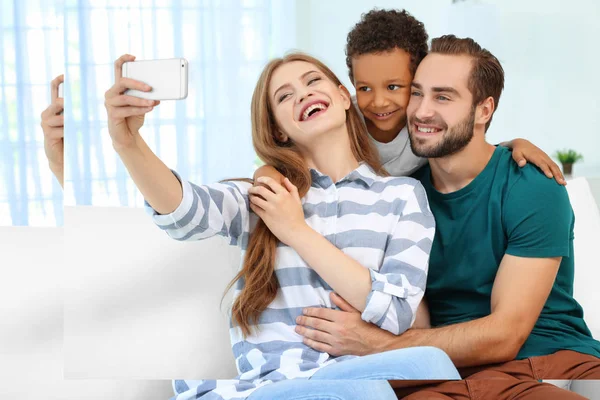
x: 31, y: 44
x: 205, y: 137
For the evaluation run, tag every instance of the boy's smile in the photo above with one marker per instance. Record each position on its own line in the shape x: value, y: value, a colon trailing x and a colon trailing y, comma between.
x: 382, y: 82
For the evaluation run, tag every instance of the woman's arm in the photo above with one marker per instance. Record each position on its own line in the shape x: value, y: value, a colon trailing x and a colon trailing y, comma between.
x: 154, y: 179
x: 185, y: 211
x: 388, y: 297
x: 160, y: 188
x: 207, y: 210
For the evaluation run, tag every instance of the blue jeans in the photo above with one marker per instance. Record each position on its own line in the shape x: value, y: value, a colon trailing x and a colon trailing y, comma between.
x: 364, y: 378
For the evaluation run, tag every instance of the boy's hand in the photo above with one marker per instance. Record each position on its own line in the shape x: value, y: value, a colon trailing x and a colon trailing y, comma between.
x: 270, y: 172
x: 523, y: 151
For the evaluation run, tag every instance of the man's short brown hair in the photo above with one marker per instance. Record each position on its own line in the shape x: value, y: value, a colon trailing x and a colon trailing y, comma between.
x: 487, y: 75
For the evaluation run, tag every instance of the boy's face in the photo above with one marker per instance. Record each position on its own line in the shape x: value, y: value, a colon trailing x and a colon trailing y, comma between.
x: 382, y: 82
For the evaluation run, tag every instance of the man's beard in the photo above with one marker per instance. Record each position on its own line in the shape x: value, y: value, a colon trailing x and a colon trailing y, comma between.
x: 453, y: 141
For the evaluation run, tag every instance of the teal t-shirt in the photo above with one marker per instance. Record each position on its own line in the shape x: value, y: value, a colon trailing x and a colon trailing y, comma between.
x: 504, y: 210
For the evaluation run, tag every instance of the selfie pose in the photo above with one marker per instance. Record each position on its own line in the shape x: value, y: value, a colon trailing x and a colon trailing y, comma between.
x: 336, y: 224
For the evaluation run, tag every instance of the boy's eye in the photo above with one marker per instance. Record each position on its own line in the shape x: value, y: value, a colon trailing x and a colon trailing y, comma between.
x: 364, y: 89
x: 394, y: 87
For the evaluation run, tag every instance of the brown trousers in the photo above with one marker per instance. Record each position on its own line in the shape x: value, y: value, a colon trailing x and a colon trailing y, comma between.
x: 519, y: 379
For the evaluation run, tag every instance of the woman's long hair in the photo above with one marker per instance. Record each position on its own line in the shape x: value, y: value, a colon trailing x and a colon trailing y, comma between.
x: 258, y: 272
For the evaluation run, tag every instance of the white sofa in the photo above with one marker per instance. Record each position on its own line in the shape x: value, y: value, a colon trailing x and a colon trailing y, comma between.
x: 141, y: 309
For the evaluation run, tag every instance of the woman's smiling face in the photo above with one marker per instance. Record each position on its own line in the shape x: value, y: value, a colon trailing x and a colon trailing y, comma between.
x: 305, y: 102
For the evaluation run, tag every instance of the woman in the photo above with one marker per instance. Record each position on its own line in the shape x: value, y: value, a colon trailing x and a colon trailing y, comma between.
x: 337, y: 224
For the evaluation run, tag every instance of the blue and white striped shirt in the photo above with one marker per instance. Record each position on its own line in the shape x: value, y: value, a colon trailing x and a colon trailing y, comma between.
x: 384, y: 223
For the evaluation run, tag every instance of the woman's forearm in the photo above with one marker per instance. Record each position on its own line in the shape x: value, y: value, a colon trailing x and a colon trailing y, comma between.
x: 159, y: 186
x: 345, y: 275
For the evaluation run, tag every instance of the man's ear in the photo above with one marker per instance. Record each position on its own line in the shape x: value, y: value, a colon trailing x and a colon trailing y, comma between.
x: 346, y: 98
x: 485, y: 110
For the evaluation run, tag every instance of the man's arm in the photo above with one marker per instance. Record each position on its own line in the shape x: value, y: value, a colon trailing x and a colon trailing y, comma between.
x: 520, y: 291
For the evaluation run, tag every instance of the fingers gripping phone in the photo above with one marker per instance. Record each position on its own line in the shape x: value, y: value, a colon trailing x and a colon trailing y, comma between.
x: 167, y: 78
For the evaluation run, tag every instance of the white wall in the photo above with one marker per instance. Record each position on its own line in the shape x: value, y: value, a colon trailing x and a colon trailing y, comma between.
x: 549, y: 54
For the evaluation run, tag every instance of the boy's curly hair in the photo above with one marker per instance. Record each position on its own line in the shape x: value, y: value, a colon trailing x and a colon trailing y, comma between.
x: 383, y: 30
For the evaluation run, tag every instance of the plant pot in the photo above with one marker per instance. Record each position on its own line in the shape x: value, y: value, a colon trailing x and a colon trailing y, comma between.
x: 567, y: 168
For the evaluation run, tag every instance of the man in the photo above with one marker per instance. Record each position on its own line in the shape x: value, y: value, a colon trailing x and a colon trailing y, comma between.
x: 500, y: 284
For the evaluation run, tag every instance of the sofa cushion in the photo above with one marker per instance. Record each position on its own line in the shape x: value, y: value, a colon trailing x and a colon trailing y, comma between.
x: 587, y: 251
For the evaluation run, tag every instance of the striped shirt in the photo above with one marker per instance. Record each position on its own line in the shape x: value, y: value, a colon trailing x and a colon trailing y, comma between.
x: 384, y: 223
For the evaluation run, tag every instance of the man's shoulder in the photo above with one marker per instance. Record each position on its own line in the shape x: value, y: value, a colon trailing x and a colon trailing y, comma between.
x: 532, y: 182
x: 534, y: 202
x: 528, y: 180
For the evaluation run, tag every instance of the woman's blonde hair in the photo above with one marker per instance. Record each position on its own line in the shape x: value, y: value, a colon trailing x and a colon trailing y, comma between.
x: 258, y: 271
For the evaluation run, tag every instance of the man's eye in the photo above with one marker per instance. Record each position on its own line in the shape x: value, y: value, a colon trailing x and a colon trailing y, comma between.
x: 443, y: 98
x: 415, y: 94
x: 364, y: 89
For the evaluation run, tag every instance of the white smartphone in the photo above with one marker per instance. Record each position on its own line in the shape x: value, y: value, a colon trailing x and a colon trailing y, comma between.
x: 168, y: 78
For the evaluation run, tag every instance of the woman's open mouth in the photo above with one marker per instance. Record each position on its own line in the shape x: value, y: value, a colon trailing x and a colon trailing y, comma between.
x: 313, y: 111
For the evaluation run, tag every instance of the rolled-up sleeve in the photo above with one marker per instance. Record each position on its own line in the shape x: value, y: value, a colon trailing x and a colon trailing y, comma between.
x: 205, y: 211
x: 399, y: 285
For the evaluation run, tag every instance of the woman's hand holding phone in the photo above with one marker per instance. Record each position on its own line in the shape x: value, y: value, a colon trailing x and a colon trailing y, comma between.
x: 54, y: 131
x: 126, y: 113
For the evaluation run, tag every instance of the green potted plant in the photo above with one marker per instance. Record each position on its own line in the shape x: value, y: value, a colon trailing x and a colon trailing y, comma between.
x: 567, y: 158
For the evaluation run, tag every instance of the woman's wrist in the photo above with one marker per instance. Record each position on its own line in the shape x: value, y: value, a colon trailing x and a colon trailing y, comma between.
x: 302, y: 235
x: 130, y: 145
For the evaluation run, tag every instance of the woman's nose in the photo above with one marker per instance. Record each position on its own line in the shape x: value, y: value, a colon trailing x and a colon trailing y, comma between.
x: 304, y: 95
